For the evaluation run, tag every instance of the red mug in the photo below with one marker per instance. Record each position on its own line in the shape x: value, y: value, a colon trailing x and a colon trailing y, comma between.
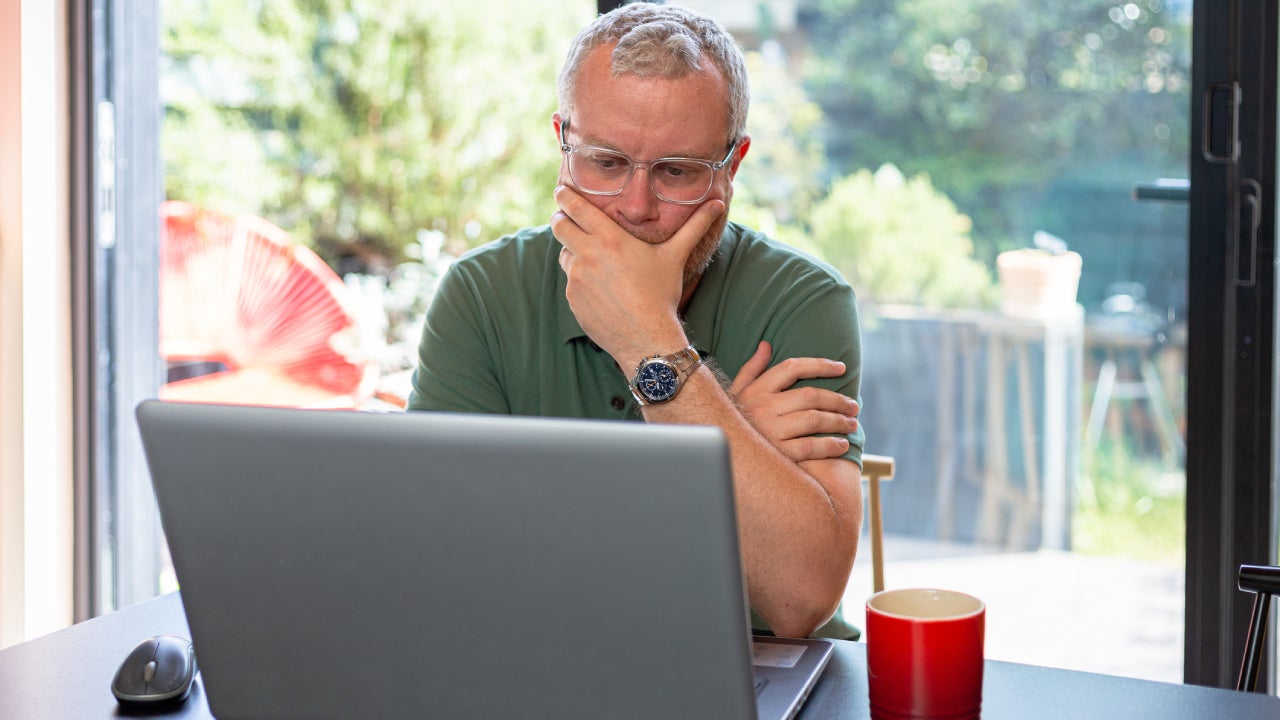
x: 924, y: 654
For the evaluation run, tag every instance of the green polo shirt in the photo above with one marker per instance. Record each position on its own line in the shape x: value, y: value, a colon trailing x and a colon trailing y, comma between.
x: 500, y: 337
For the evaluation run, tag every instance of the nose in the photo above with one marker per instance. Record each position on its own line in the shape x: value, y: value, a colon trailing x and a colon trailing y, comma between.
x: 637, y: 202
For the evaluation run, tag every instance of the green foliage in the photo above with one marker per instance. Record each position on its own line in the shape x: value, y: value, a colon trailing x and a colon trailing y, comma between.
x: 785, y: 164
x: 356, y: 124
x: 994, y: 99
x: 858, y: 223
x: 899, y: 240
x: 1129, y: 506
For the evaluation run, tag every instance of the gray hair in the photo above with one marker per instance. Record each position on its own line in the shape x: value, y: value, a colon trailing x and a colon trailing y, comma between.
x: 661, y: 41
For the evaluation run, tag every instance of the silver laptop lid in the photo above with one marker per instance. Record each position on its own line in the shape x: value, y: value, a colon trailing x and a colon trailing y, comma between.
x: 341, y: 565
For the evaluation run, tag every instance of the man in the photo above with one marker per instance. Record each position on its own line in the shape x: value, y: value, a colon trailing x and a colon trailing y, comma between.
x: 641, y: 281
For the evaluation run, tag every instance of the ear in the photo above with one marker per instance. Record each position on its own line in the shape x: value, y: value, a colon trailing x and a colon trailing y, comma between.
x: 743, y: 145
x: 555, y: 125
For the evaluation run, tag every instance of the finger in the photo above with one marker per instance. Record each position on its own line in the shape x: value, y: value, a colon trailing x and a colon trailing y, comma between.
x: 591, y: 219
x: 814, y: 448
x: 814, y: 422
x: 790, y: 371
x: 564, y: 229
x: 751, y: 370
x: 813, y: 398
x: 693, y: 230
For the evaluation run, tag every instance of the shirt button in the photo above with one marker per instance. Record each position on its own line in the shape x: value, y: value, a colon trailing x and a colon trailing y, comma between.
x: 617, y: 402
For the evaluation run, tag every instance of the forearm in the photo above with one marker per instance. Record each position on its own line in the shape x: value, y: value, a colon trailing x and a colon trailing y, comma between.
x: 798, y: 523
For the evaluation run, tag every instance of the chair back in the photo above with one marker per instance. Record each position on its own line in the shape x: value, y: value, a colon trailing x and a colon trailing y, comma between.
x: 1263, y: 581
x: 239, y: 295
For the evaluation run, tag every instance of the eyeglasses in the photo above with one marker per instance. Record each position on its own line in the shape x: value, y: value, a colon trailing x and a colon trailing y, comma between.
x: 679, y: 180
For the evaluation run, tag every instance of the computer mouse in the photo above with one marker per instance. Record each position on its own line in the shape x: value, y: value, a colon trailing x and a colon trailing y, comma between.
x: 160, y: 669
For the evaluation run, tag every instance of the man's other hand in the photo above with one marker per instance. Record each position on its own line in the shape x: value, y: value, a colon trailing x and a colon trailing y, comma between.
x: 795, y: 419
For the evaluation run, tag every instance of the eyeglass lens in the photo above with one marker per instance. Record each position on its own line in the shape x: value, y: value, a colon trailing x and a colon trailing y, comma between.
x: 601, y: 171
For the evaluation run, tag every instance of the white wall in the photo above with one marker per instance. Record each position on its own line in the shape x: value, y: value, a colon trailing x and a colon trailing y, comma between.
x: 36, y: 512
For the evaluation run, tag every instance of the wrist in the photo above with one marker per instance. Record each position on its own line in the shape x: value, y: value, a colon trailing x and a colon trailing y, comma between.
x: 659, y: 378
x: 647, y: 345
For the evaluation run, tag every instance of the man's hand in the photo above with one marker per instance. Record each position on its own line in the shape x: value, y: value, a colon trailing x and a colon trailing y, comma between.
x: 793, y: 418
x: 624, y: 291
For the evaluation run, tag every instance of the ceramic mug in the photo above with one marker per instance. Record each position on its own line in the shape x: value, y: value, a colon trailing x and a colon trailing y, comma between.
x: 924, y: 654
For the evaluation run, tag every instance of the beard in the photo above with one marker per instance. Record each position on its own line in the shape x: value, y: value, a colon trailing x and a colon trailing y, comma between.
x: 702, y: 254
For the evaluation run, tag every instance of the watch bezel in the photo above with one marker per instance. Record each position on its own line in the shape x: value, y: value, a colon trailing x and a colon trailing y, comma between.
x: 672, y: 379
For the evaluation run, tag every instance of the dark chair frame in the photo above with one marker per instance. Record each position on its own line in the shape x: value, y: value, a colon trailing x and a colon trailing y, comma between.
x: 1263, y: 581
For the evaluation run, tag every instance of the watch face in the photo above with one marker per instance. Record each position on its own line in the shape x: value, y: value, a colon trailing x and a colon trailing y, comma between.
x: 656, y: 381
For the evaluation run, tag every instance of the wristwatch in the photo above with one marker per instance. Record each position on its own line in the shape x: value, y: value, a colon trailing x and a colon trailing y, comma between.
x: 660, y: 377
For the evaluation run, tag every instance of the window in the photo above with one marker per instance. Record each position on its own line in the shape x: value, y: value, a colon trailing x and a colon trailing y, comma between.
x: 971, y: 169
x: 381, y: 137
x: 1034, y: 420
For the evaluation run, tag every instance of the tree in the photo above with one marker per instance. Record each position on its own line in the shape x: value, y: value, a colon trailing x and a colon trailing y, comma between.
x: 782, y: 174
x: 358, y: 124
x: 899, y: 240
x: 995, y: 100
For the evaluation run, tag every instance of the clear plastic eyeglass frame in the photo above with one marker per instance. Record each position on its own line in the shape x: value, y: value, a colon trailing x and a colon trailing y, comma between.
x: 571, y: 150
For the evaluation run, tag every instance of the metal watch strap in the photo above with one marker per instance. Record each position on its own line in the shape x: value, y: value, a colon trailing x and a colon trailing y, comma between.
x: 686, y: 360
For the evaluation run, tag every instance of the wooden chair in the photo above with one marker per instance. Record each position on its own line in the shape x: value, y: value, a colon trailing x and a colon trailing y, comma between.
x: 875, y: 470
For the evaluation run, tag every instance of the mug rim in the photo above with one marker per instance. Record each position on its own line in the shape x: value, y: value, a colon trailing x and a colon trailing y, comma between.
x: 981, y: 606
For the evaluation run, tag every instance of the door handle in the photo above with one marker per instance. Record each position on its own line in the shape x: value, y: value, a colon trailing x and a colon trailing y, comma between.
x: 1251, y: 217
x: 1232, y: 90
x: 1173, y: 189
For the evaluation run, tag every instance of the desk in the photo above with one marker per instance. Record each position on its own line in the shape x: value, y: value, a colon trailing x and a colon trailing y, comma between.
x: 67, y: 676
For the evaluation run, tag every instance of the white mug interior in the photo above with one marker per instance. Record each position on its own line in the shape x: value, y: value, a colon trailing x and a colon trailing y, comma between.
x: 926, y: 603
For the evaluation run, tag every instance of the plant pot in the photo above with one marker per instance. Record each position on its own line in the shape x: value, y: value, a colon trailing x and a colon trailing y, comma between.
x: 1037, y: 283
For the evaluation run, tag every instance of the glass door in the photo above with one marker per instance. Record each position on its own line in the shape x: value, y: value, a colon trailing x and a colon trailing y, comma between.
x: 973, y: 173
x: 1231, y: 404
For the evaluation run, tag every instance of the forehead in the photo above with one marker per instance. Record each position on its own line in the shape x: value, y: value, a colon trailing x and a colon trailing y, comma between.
x: 651, y: 116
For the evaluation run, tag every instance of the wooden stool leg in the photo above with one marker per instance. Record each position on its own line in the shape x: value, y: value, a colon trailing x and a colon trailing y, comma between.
x: 877, y: 535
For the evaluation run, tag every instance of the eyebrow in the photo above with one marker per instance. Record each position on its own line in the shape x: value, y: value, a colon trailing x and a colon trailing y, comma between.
x: 594, y: 141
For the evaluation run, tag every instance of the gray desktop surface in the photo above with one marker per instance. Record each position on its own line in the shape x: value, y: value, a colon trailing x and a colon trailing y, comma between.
x: 67, y: 676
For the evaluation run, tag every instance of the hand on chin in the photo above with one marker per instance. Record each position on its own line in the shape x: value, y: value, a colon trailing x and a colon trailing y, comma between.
x: 623, y: 289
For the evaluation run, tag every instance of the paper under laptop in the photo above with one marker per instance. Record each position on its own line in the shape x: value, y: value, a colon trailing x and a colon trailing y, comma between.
x: 358, y: 565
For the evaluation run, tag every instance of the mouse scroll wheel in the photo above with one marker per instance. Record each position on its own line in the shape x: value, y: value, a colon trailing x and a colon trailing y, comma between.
x: 149, y: 672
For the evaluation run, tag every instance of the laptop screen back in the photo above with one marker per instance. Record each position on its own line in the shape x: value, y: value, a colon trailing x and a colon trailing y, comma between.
x: 338, y: 565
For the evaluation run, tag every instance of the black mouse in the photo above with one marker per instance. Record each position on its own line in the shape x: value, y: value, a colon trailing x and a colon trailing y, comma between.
x: 160, y: 669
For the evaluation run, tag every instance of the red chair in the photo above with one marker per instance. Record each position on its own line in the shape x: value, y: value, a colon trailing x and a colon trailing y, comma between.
x: 237, y: 293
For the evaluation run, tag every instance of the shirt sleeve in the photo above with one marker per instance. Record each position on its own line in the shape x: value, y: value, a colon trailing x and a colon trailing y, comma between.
x: 824, y: 323
x: 456, y: 370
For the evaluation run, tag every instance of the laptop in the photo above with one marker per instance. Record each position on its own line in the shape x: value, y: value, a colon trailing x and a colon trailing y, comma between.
x: 360, y: 565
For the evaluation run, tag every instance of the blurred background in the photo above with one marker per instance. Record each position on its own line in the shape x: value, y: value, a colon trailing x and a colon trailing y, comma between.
x: 1002, y: 185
